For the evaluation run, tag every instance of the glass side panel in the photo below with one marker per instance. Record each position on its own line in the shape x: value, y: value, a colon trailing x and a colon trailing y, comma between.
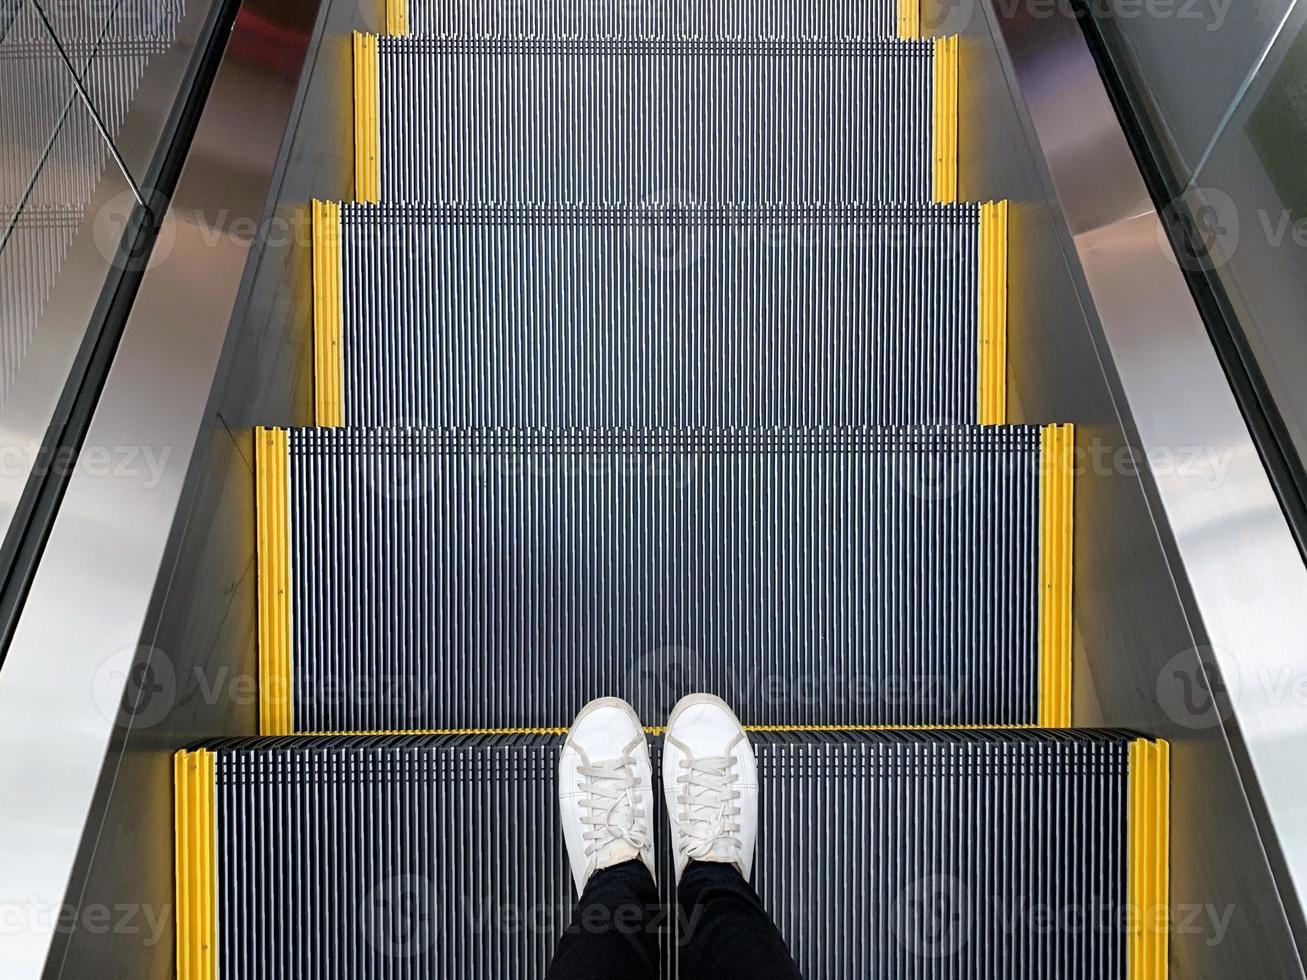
x: 72, y: 76
x: 1220, y: 97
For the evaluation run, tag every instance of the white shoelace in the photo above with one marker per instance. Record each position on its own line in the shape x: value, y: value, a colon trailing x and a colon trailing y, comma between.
x: 613, y: 813
x: 707, y: 805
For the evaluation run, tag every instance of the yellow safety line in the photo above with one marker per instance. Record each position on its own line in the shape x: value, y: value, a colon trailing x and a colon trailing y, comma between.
x: 1056, y: 535
x: 887, y: 728
x: 660, y: 729
x: 367, y: 119
x: 196, y: 865
x: 946, y: 120
x: 910, y: 19
x: 437, y: 731
x: 397, y: 18
x: 328, y: 317
x: 1148, y: 898
x: 993, y: 314
x: 272, y: 489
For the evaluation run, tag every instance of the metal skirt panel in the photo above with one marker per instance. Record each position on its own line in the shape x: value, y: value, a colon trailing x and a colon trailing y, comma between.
x: 658, y: 121
x: 879, y: 855
x: 601, y: 316
x: 455, y: 579
x: 744, y: 19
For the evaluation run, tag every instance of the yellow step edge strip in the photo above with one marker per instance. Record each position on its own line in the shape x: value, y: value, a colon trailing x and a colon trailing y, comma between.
x: 195, y: 850
x: 992, y: 376
x: 328, y: 317
x: 910, y: 20
x: 1056, y: 537
x: 1148, y: 898
x: 660, y: 729
x: 367, y: 119
x: 946, y: 121
x: 397, y: 18
x: 272, y: 505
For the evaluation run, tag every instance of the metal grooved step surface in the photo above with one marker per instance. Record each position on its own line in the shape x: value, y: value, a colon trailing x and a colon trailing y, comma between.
x: 654, y: 18
x: 655, y: 121
x: 880, y: 855
x: 444, y: 579
x: 594, y: 316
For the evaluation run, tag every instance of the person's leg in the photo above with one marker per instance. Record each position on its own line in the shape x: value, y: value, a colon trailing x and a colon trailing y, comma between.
x: 605, y: 801
x: 614, y: 931
x: 710, y: 781
x: 726, y: 933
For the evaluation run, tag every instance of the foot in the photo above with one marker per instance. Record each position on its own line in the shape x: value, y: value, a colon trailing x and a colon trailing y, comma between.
x: 605, y: 790
x: 710, y: 779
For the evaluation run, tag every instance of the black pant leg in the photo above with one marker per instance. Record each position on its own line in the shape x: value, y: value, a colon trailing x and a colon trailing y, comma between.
x: 726, y: 934
x: 614, y: 933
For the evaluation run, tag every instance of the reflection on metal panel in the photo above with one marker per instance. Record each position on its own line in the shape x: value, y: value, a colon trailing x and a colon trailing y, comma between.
x: 53, y: 151
x: 44, y: 224
x: 30, y: 65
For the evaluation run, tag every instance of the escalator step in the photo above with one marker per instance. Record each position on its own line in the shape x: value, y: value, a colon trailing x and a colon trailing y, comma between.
x: 424, y: 579
x: 636, y: 316
x: 745, y: 19
x: 692, y: 121
x: 952, y: 855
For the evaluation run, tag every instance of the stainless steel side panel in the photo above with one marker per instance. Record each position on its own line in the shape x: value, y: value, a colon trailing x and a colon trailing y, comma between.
x: 1187, y: 580
x: 85, y: 785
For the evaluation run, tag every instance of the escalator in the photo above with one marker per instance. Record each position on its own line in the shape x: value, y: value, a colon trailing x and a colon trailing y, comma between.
x: 408, y: 373
x: 651, y: 360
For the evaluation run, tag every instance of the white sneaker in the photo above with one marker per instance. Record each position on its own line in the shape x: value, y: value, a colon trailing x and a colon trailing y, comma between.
x: 605, y: 790
x: 710, y: 779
